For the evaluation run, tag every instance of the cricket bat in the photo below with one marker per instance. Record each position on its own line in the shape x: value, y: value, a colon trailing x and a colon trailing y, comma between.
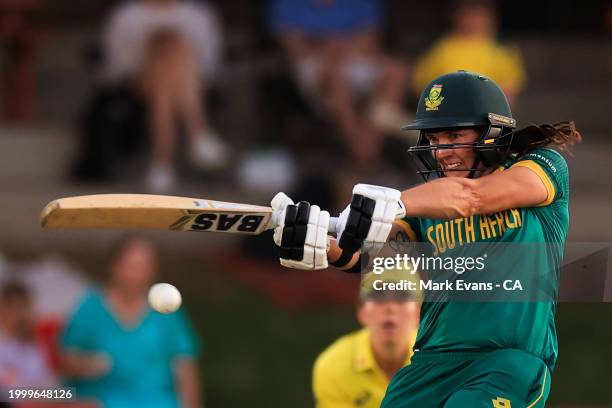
x: 144, y: 211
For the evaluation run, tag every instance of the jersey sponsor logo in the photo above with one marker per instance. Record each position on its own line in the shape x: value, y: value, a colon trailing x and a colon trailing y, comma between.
x: 500, y: 402
x: 546, y: 160
x: 435, y: 98
x: 235, y: 222
x: 460, y: 231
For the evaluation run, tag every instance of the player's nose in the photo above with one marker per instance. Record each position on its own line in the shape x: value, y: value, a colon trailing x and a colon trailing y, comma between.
x: 442, y: 154
x: 390, y: 307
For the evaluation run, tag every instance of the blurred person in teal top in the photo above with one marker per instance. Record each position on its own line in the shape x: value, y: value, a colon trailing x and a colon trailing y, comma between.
x: 119, y: 352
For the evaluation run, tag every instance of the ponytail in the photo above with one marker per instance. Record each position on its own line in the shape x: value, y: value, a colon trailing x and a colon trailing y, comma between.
x: 562, y: 135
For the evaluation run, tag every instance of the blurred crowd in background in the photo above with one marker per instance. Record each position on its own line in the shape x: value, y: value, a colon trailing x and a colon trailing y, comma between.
x: 238, y: 100
x: 59, y: 329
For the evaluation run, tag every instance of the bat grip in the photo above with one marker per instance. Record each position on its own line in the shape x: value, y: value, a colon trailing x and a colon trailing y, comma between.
x: 275, y: 220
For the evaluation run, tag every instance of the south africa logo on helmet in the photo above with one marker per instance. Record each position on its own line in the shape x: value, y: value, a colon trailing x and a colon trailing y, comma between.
x: 435, y: 98
x: 460, y: 99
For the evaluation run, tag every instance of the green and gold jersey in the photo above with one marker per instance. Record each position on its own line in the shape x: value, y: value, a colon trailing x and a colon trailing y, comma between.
x: 527, y: 243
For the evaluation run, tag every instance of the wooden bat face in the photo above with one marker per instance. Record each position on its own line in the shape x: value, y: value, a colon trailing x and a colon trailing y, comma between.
x: 142, y: 211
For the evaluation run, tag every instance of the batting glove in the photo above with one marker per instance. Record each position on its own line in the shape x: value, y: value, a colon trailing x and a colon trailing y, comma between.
x: 366, y: 223
x: 301, y: 233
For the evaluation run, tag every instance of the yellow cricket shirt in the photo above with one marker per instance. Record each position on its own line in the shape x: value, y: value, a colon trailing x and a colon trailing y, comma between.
x: 346, y: 374
x: 500, y: 62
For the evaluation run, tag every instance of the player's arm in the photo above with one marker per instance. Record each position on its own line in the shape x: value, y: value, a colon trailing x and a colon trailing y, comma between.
x: 335, y: 252
x: 366, y: 226
x: 84, y: 365
x: 454, y: 197
x: 188, y: 382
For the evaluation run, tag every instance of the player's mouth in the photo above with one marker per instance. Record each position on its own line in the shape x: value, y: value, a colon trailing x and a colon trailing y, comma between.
x: 456, y: 165
x: 389, y: 325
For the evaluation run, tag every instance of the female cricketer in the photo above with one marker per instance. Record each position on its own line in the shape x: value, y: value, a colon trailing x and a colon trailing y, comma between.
x: 486, y: 183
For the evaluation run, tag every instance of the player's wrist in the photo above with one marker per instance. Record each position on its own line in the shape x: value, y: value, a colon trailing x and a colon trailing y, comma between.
x: 333, y: 251
x: 343, y: 260
x: 339, y: 258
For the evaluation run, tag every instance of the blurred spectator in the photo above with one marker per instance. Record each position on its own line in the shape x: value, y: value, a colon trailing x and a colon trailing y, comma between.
x: 21, y: 39
x: 334, y: 48
x: 121, y: 353
x: 472, y: 45
x: 356, y: 369
x: 167, y: 52
x: 22, y: 361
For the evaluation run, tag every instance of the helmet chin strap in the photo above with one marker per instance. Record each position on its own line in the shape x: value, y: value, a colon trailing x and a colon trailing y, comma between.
x: 474, y: 168
x: 477, y: 160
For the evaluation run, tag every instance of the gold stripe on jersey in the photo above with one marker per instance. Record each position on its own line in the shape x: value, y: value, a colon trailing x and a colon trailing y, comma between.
x: 541, y: 391
x: 537, y: 169
x: 407, y: 229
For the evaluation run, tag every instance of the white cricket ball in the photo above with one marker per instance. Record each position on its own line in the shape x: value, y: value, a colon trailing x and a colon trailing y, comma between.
x: 164, y: 297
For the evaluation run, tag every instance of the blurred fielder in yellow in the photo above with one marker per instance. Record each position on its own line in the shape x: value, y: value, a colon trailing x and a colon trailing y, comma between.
x: 356, y: 369
x: 473, y: 43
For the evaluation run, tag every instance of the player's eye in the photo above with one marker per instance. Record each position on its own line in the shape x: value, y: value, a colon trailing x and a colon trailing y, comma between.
x: 431, y: 139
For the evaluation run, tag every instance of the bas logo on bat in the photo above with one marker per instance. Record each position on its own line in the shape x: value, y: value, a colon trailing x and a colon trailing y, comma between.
x: 155, y: 212
x: 220, y: 222
x: 142, y: 211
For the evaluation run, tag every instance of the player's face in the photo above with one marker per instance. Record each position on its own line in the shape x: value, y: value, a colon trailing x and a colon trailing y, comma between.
x: 16, y: 313
x: 136, y: 267
x: 389, y: 321
x: 478, y: 20
x: 454, y: 162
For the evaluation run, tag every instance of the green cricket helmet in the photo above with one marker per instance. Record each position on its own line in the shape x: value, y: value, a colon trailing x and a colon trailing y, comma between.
x: 458, y: 100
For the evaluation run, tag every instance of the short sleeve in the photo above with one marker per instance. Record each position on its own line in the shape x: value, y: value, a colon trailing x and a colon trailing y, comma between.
x: 79, y: 333
x: 184, y: 342
x: 552, y: 170
x: 410, y: 226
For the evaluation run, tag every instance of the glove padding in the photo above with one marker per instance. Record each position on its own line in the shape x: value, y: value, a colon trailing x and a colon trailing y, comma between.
x: 301, y: 233
x: 366, y: 223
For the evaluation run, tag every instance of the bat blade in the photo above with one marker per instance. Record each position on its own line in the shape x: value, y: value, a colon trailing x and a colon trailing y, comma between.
x: 143, y: 211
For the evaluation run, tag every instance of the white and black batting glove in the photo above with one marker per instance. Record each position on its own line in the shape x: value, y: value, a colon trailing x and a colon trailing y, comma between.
x: 301, y: 233
x: 366, y: 223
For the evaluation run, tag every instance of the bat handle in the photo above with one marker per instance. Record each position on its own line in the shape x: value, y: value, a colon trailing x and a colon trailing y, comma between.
x: 275, y: 220
x: 333, y: 223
